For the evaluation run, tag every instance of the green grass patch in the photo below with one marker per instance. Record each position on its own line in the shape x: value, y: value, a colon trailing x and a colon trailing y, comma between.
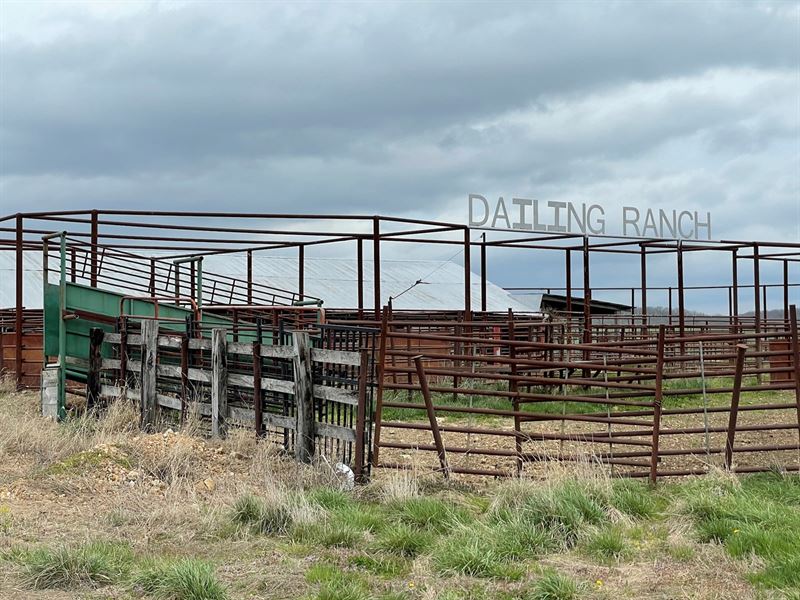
x: 760, y: 516
x: 607, y: 543
x: 254, y: 513
x: 93, y: 564
x: 403, y: 540
x: 466, y: 552
x: 555, y: 586
x: 186, y: 579
x: 563, y: 510
x: 381, y: 564
x: 636, y: 499
x: 336, y: 585
x: 328, y: 533
x: 430, y: 514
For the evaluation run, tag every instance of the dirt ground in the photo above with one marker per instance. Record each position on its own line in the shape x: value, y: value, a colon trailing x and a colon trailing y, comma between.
x: 166, y: 493
x: 577, y: 446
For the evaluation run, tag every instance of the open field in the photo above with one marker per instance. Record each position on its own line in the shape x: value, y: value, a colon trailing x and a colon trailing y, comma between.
x: 95, y: 509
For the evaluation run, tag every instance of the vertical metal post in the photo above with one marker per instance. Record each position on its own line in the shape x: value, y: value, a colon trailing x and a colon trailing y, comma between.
x: 301, y: 262
x: 376, y: 438
x: 669, y: 306
x: 249, y: 277
x: 757, y: 298
x: 757, y: 289
x: 513, y: 388
x: 360, y: 290
x: 795, y: 361
x: 73, y: 265
x: 587, y: 313
x: 94, y: 242
x: 735, y: 281
x: 426, y: 395
x: 681, y: 303
x: 19, y: 302
x: 467, y: 276
x: 361, y: 415
x: 152, y: 277
x: 643, y: 281
x: 62, y: 331
x: 95, y: 365
x: 568, y: 282
x: 654, y: 456
x: 258, y: 394
x: 376, y: 265
x: 785, y: 290
x: 734, y: 411
x: 483, y: 273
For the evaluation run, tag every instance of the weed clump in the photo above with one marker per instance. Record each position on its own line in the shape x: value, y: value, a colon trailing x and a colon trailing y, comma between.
x: 94, y: 564
x: 556, y: 586
x: 187, y: 579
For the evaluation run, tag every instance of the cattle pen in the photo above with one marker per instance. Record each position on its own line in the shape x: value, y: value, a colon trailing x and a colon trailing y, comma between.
x: 111, y: 303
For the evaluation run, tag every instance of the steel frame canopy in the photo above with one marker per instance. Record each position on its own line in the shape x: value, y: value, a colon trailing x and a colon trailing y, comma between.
x: 190, y: 234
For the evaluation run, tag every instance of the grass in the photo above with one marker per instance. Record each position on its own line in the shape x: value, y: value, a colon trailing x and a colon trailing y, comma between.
x: 759, y: 516
x: 92, y: 564
x: 607, y: 543
x: 187, y: 579
x: 333, y: 584
x: 290, y: 533
x: 98, y: 564
x: 430, y: 514
x: 403, y: 540
x: 467, y: 553
x: 556, y: 586
x: 382, y: 565
x: 260, y: 516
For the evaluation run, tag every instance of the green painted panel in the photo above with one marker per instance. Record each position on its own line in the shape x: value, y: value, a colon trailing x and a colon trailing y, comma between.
x: 84, y: 299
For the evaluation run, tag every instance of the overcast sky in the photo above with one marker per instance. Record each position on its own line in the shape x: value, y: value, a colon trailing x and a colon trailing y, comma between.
x: 404, y: 108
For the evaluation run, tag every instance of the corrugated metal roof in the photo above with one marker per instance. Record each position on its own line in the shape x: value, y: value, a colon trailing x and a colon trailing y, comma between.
x: 332, y: 279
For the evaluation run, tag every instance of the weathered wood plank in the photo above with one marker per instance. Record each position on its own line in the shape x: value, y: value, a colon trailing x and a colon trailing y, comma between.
x: 240, y: 348
x: 336, y: 357
x: 169, y: 341
x: 110, y: 364
x: 149, y: 374
x: 114, y: 392
x: 195, y: 374
x: 304, y: 442
x: 277, y: 385
x: 328, y: 430
x: 199, y: 344
x: 219, y: 382
x: 331, y: 394
x: 278, y: 351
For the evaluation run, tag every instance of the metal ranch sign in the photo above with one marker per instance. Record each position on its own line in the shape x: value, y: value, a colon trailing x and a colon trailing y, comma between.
x: 589, y: 219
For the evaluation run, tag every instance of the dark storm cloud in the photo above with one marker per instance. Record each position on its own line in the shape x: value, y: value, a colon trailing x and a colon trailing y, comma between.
x: 403, y: 108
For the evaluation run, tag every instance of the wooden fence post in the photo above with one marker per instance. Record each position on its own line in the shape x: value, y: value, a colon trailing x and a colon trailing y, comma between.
x: 657, y: 405
x: 303, y: 398
x: 219, y: 382
x: 95, y: 364
x: 734, y: 412
x: 149, y: 400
